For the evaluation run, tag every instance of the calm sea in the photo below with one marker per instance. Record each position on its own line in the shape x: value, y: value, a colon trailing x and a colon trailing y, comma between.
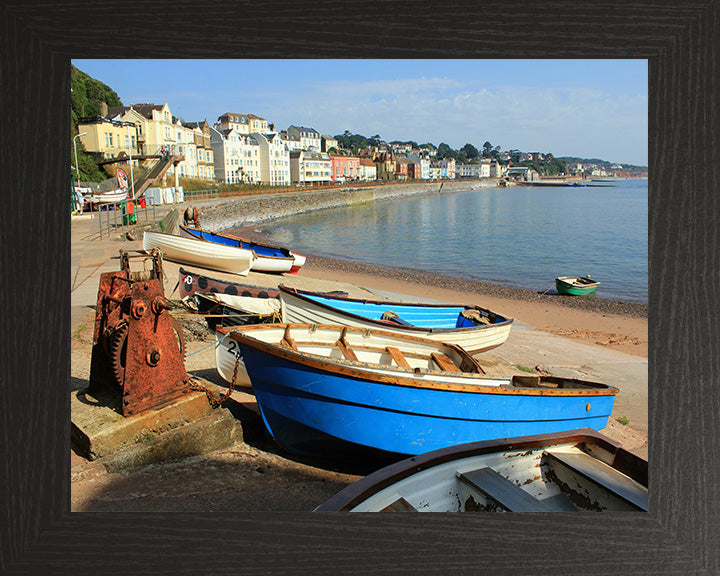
x: 519, y: 236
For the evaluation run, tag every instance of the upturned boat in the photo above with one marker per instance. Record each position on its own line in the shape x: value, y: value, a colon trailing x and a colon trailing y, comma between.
x: 474, y: 328
x: 579, y: 470
x: 190, y: 282
x: 110, y: 197
x: 576, y: 285
x: 334, y: 391
x: 230, y: 310
x: 205, y: 254
x: 267, y: 258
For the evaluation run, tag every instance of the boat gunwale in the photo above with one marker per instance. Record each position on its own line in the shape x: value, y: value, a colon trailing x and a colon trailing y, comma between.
x: 564, y: 280
x: 402, y: 376
x: 363, y: 489
x: 302, y: 294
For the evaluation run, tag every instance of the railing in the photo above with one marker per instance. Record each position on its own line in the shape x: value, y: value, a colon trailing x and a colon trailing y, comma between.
x: 118, y: 216
x: 200, y: 195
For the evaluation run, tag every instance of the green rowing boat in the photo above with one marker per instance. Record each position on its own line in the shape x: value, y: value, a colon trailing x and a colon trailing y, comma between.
x: 576, y: 285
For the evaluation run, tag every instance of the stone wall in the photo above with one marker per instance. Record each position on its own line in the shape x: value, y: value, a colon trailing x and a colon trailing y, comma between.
x: 224, y: 214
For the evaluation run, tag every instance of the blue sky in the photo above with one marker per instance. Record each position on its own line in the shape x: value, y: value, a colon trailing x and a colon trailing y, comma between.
x: 585, y: 108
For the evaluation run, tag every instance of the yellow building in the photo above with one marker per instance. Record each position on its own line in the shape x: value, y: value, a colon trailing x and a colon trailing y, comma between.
x: 107, y: 137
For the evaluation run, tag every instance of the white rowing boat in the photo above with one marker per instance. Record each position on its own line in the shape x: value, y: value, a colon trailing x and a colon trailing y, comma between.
x: 205, y: 254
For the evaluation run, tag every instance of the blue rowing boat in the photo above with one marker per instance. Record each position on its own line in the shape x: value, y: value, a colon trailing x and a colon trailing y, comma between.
x: 268, y: 258
x: 333, y: 391
x: 474, y: 328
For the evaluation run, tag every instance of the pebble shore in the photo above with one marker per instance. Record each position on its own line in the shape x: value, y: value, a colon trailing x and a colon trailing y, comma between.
x: 590, y: 304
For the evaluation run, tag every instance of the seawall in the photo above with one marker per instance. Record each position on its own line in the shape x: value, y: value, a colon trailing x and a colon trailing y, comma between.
x: 246, y: 210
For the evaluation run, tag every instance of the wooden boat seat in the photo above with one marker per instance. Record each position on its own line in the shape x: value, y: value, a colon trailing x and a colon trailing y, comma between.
x: 400, y: 505
x: 502, y: 491
x: 602, y: 475
x: 444, y: 362
x: 397, y: 355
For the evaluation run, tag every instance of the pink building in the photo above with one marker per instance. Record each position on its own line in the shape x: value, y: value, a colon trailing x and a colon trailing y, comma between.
x: 345, y: 168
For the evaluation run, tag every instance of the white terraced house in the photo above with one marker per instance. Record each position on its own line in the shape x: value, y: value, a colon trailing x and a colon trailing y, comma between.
x: 237, y: 156
x: 274, y: 159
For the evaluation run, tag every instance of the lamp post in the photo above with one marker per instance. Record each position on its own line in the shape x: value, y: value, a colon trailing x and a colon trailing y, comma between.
x: 77, y: 171
x: 132, y: 179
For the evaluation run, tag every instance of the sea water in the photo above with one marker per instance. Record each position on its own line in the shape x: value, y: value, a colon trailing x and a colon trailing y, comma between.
x: 519, y: 236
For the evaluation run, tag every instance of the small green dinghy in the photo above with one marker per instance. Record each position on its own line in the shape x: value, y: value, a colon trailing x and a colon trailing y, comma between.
x: 576, y: 285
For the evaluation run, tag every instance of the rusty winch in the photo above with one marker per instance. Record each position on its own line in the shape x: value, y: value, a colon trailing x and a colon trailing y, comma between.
x: 138, y: 348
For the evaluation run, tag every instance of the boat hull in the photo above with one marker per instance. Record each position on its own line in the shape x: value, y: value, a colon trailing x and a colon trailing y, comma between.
x: 433, y: 482
x: 207, y: 255
x: 569, y: 286
x: 426, y: 320
x: 190, y: 282
x: 316, y: 407
x: 267, y: 258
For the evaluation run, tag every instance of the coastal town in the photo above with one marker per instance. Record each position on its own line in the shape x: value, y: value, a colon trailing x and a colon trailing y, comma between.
x: 153, y: 142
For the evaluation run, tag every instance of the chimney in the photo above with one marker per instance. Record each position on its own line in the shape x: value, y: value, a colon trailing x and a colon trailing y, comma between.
x: 103, y: 109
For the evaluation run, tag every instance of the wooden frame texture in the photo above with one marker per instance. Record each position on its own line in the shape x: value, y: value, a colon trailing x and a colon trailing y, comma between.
x: 38, y: 534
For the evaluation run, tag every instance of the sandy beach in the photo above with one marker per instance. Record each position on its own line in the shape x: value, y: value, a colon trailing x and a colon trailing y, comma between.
x: 619, y: 325
x: 257, y: 474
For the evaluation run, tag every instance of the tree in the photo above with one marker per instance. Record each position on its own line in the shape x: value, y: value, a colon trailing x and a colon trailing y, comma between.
x: 470, y: 151
x: 487, y: 150
x: 444, y: 151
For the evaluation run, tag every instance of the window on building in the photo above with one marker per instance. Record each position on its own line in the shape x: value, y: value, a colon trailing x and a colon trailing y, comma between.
x: 111, y: 139
x: 107, y: 143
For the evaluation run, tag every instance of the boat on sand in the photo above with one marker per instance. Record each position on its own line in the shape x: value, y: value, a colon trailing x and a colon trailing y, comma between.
x: 204, y: 254
x: 580, y: 470
x: 474, y: 328
x: 267, y: 258
x: 334, y: 391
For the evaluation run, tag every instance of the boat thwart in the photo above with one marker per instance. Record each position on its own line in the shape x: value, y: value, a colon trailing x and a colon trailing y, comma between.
x: 580, y: 470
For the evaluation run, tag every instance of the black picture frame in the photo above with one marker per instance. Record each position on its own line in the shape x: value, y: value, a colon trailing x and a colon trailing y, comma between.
x: 38, y: 533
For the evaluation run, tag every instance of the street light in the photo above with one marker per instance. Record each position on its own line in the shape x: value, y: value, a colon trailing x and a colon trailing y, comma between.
x: 132, y: 179
x: 77, y: 171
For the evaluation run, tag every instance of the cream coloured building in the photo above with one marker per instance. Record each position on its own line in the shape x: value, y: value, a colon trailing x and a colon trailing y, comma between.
x: 109, y: 138
x: 237, y: 156
x: 310, y: 167
x: 274, y: 159
x: 242, y: 123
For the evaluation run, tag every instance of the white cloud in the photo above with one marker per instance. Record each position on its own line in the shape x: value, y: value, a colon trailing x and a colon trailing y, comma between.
x: 563, y: 120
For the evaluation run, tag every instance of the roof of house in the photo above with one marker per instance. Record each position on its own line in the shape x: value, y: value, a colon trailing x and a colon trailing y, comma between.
x: 366, y: 162
x: 243, y: 117
x: 305, y: 129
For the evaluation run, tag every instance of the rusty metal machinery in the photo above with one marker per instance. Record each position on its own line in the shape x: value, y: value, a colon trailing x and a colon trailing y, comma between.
x: 138, y: 348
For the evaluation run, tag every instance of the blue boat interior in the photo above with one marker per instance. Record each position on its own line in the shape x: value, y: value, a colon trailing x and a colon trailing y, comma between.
x: 406, y: 314
x: 226, y: 241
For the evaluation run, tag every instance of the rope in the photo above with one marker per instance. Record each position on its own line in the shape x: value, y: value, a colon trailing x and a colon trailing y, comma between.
x: 543, y: 294
x: 203, y: 348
